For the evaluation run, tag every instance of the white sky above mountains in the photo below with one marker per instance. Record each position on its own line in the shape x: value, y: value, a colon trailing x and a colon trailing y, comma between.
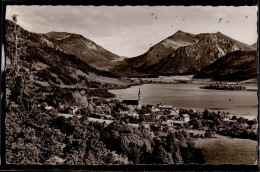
x: 131, y: 30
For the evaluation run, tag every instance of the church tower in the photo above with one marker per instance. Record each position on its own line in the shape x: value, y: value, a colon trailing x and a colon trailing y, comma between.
x: 139, y: 99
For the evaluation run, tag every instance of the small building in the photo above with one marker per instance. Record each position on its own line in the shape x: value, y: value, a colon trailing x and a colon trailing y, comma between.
x: 178, y: 123
x: 168, y: 123
x: 130, y: 102
x: 155, y: 109
x: 174, y: 114
x: 158, y: 117
x: 193, y: 110
x: 165, y: 107
x: 184, y: 117
x: 48, y: 108
x: 72, y: 110
x: 249, y: 117
x: 226, y: 119
x: 149, y: 106
x: 109, y: 117
x: 123, y: 114
x: 135, y: 115
x: 232, y: 121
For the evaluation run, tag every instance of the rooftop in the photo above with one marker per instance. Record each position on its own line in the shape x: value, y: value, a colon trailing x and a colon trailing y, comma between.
x: 130, y: 102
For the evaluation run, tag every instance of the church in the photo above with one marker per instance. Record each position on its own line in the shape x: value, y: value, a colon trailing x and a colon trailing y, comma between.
x: 135, y: 103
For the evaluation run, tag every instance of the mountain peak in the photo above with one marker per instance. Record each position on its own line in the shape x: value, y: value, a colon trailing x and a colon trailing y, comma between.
x: 179, y: 31
x: 62, y: 35
x: 219, y: 33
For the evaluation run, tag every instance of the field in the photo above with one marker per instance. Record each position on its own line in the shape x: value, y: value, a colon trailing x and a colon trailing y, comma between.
x: 226, y: 150
x: 168, y: 78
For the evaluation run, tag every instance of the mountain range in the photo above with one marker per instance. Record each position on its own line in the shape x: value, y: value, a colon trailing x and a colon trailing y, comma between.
x: 87, y: 50
x: 180, y: 54
x: 53, y: 63
x: 156, y: 53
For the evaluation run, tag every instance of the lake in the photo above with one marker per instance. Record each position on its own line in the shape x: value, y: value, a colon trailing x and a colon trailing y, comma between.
x: 191, y: 96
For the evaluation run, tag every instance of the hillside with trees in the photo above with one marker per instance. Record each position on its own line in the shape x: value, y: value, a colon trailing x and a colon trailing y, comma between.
x: 37, y: 133
x: 235, y: 66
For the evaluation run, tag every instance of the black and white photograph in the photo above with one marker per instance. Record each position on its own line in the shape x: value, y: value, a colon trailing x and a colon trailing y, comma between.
x: 130, y: 85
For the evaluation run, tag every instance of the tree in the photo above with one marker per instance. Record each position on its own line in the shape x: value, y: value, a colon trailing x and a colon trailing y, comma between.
x: 162, y: 156
x: 234, y: 117
x: 16, y: 79
x: 196, y: 123
x: 15, y: 59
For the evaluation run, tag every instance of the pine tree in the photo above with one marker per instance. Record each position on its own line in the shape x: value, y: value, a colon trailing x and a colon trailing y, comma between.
x: 16, y: 79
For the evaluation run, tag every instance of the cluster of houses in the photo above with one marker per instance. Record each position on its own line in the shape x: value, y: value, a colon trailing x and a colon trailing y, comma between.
x: 167, y: 116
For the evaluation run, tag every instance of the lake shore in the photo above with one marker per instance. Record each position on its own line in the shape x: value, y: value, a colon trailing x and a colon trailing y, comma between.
x: 190, y: 96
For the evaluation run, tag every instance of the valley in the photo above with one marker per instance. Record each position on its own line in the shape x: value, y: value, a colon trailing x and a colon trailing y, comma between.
x: 70, y: 101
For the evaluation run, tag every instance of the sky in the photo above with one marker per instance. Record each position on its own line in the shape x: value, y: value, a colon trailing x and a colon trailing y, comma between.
x: 131, y: 30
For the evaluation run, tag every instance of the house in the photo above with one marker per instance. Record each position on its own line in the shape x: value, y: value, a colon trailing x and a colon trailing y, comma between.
x: 225, y: 119
x: 48, y: 108
x: 174, y: 114
x: 232, y: 121
x: 193, y: 110
x: 158, y: 117
x: 178, y: 123
x: 165, y: 107
x: 164, y: 124
x: 184, y: 117
x: 168, y: 123
x: 130, y: 102
x: 123, y: 114
x: 69, y: 115
x: 155, y: 109
x: 72, y: 110
x: 249, y: 117
x: 149, y: 106
x: 135, y: 115
x: 109, y: 117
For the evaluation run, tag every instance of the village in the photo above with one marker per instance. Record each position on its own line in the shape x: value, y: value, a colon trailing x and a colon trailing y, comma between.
x: 162, y: 119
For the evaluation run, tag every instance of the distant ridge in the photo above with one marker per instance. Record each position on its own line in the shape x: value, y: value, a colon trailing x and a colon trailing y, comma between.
x: 85, y: 49
x: 181, y: 53
x: 234, y: 66
x: 156, y: 53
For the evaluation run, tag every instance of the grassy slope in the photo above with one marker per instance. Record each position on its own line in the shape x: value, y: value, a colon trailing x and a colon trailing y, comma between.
x: 224, y: 150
